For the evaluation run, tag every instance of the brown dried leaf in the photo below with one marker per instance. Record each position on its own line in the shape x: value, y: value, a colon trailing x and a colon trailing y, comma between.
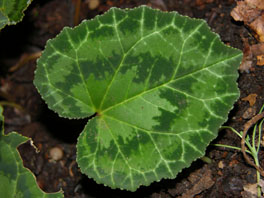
x: 244, y: 12
x: 250, y: 191
x: 258, y: 27
x: 251, y: 98
x: 247, y: 57
x: 256, y: 3
x: 251, y: 12
x: 257, y: 49
x: 260, y: 60
x: 201, y: 182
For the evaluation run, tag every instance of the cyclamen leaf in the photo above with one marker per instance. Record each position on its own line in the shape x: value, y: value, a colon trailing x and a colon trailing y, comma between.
x: 15, y: 179
x: 11, y: 11
x: 160, y: 84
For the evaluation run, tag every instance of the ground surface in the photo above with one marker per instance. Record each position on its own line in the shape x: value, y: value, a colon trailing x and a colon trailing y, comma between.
x: 225, y: 176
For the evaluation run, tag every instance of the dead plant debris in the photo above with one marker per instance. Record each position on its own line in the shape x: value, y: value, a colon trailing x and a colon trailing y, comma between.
x: 251, y: 98
x: 251, y: 13
x: 250, y: 191
x: 202, y: 180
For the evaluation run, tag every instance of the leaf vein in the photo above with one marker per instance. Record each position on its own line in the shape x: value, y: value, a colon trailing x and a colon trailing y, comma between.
x: 79, y: 69
x: 171, y: 81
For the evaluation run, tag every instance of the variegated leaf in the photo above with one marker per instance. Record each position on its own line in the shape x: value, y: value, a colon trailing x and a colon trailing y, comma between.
x: 161, y: 85
x: 16, y: 180
x: 11, y: 11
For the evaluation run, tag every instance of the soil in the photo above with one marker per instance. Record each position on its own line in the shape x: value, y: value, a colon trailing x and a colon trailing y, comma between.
x: 225, y: 176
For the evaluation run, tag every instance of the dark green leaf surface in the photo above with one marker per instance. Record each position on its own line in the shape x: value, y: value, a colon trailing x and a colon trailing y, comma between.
x: 11, y: 11
x: 160, y: 83
x: 16, y: 180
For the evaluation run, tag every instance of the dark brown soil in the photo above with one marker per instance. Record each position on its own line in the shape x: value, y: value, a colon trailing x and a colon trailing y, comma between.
x: 225, y: 176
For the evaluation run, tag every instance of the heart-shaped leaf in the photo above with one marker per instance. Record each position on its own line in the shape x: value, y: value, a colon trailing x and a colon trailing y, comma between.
x: 160, y: 84
x: 11, y: 11
x: 15, y: 179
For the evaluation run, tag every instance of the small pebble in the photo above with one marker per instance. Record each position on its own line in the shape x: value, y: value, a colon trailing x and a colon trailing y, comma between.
x: 93, y: 4
x: 249, y: 113
x: 221, y: 165
x: 56, y: 153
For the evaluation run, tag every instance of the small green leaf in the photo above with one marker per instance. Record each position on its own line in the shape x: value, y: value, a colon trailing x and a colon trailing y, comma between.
x: 16, y: 180
x: 161, y: 85
x: 11, y: 11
